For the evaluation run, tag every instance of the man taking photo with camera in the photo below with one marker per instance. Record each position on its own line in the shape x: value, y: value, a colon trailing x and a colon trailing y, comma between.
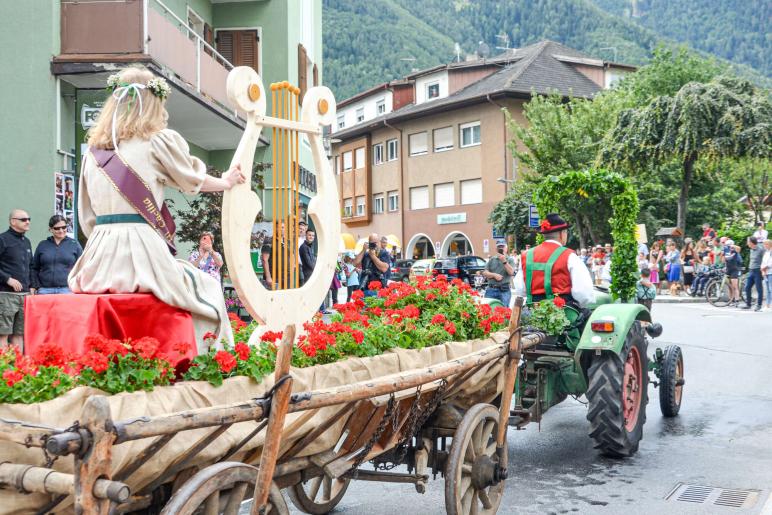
x: 499, y: 271
x: 374, y: 261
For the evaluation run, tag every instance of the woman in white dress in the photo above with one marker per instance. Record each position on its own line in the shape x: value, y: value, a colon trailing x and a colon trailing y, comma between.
x: 124, y: 254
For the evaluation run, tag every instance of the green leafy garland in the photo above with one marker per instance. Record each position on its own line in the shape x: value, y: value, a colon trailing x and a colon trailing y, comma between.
x: 601, y: 184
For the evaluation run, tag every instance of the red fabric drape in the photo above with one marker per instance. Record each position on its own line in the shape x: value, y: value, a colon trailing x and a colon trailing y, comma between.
x: 68, y: 319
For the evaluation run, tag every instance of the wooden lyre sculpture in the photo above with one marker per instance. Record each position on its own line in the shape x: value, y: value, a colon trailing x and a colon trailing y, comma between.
x: 287, y: 304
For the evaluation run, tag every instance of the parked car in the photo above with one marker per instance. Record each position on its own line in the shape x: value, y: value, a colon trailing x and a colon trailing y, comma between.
x: 461, y: 267
x: 400, y: 271
x: 421, y: 267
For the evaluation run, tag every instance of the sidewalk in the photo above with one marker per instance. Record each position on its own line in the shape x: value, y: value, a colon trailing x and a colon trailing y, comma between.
x: 665, y: 298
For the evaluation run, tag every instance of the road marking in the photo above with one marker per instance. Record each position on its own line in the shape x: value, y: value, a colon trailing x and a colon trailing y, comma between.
x: 767, y: 509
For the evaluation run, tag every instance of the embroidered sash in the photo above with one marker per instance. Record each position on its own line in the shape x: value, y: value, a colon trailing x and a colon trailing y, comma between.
x: 137, y: 193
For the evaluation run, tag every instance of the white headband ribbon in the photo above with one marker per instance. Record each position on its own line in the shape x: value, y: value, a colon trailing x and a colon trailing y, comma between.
x: 120, y: 94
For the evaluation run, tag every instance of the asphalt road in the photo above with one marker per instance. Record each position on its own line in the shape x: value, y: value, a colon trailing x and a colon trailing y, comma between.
x: 722, y: 437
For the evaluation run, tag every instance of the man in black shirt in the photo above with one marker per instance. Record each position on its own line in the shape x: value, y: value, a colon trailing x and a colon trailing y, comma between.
x: 307, y: 257
x: 15, y: 277
x: 374, y: 261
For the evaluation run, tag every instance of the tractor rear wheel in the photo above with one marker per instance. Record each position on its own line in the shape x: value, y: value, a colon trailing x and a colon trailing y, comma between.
x: 617, y: 396
x: 671, y: 381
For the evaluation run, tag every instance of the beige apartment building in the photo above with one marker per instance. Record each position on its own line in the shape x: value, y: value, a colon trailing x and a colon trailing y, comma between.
x: 430, y: 170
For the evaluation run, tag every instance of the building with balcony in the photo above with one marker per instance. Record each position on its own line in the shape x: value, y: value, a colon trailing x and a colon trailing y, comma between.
x: 59, y: 55
x: 431, y: 166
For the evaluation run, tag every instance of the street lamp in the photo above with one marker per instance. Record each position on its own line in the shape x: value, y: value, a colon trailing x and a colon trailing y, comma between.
x: 506, y: 182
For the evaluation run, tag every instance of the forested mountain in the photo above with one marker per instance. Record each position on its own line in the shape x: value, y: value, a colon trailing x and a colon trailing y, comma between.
x: 371, y: 41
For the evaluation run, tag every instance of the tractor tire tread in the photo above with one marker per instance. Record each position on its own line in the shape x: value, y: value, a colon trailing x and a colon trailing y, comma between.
x: 667, y: 387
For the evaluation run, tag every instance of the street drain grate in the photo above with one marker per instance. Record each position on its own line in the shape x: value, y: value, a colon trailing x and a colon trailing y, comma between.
x: 702, y: 494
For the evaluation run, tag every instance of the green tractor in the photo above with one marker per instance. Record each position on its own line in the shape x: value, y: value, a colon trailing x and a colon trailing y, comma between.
x: 603, y: 354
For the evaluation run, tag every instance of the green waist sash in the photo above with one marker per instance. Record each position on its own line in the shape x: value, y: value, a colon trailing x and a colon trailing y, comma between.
x: 120, y: 219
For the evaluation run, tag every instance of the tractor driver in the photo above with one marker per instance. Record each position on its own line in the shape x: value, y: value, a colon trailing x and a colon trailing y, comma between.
x: 551, y: 269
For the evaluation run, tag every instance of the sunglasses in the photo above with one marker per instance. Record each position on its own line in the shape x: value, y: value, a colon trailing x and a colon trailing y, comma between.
x: 23, y: 219
x: 60, y: 228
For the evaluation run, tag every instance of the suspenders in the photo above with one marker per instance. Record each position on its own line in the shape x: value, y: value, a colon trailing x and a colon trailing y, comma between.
x: 530, y: 267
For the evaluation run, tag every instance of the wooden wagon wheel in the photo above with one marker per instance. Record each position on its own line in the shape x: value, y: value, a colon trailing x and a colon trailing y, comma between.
x: 472, y: 477
x: 220, y: 489
x: 318, y: 495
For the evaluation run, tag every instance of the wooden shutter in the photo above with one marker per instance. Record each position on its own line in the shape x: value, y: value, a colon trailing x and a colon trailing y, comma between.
x: 316, y: 75
x: 208, y: 37
x: 240, y: 47
x: 302, y: 71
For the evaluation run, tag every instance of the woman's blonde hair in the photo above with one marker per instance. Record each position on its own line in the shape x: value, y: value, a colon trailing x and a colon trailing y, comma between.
x: 130, y: 123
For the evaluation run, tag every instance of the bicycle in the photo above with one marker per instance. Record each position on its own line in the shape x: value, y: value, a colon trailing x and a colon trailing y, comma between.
x: 717, y: 291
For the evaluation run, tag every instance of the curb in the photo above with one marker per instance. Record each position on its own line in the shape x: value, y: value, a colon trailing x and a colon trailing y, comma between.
x: 680, y: 300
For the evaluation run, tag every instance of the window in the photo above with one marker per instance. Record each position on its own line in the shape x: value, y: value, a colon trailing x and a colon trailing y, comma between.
x: 392, y: 150
x: 419, y: 197
x: 347, y: 163
x: 432, y: 90
x: 347, y: 205
x: 417, y: 144
x: 341, y: 120
x: 471, y: 191
x: 393, y: 201
x: 360, y: 206
x: 470, y: 134
x: 195, y: 22
x: 360, y: 114
x: 380, y: 107
x: 443, y: 139
x: 359, y: 162
x: 444, y: 195
x: 378, y: 154
x: 378, y: 204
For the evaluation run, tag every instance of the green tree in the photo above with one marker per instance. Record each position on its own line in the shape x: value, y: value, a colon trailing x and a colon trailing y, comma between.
x: 510, y: 216
x: 727, y: 117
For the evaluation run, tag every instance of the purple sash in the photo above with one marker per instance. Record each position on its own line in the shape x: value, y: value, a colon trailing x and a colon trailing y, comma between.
x: 136, y: 192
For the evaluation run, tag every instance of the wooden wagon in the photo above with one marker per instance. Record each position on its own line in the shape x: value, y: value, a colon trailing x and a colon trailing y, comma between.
x: 411, y: 418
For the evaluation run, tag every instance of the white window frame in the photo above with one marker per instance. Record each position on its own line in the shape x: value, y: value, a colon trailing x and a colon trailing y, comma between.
x: 395, y: 143
x: 197, y: 20
x: 361, y: 205
x: 440, y: 200
x: 429, y: 86
x: 378, y: 154
x: 341, y: 120
x: 467, y: 201
x: 360, y: 158
x: 380, y: 107
x: 379, y: 204
x: 446, y: 147
x: 360, y: 114
x: 350, y: 155
x: 470, y: 125
x: 348, y: 208
x: 426, y: 143
x: 393, y: 198
x: 415, y: 190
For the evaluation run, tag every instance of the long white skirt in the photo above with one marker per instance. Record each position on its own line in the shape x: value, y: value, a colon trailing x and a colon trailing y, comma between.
x: 133, y: 258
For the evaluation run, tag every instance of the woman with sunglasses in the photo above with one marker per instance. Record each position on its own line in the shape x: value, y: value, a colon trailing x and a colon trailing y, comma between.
x: 54, y: 258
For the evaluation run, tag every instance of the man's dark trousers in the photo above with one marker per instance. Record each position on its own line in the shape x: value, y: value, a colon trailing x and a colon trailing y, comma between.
x: 754, y: 278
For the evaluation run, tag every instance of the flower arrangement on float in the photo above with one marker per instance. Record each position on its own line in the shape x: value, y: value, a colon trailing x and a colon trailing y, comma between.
x: 547, y: 316
x: 428, y: 313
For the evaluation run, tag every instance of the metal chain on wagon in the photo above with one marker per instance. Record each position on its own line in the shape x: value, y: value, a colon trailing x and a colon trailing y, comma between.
x: 388, y: 416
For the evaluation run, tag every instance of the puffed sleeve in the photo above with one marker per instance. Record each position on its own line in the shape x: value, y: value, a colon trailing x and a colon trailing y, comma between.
x: 183, y: 171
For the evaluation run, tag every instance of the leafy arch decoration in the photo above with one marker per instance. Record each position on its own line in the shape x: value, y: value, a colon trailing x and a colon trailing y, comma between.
x: 598, y: 185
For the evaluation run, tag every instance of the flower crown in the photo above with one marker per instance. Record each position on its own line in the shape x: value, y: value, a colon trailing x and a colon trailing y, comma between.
x: 157, y: 85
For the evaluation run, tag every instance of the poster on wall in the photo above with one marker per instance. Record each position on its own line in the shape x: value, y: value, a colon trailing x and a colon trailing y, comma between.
x: 64, y: 199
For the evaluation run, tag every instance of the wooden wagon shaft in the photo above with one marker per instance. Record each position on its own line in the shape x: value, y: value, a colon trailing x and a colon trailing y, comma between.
x: 510, y: 374
x: 29, y: 435
x: 43, y: 480
x: 95, y: 463
x: 236, y: 448
x: 143, y: 456
x: 273, y: 432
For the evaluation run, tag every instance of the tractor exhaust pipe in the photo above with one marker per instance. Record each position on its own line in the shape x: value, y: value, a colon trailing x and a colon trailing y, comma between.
x: 654, y: 329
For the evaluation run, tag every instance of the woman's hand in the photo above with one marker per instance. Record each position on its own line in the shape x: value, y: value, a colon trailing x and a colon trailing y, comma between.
x: 234, y: 176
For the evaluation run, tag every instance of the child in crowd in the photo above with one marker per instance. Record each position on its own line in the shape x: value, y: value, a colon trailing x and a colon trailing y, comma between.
x: 645, y: 292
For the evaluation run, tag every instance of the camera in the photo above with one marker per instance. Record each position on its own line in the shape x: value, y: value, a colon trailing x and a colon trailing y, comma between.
x: 372, y: 245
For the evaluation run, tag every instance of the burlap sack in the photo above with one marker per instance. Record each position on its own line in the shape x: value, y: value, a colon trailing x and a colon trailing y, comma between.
x: 62, y: 412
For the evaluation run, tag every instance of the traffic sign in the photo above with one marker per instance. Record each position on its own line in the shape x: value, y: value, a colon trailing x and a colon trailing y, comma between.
x: 533, y: 216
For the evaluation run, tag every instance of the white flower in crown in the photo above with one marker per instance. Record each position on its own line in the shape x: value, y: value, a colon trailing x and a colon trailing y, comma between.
x: 113, y: 81
x: 159, y: 87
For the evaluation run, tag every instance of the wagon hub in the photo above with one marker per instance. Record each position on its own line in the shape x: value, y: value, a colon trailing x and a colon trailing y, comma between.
x: 486, y: 472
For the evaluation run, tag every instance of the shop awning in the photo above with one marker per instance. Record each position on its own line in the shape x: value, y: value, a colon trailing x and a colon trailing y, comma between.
x: 393, y: 241
x: 360, y: 244
x: 347, y: 242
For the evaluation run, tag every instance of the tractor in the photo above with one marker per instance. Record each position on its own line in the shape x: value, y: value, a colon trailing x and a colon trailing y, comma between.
x: 604, y: 355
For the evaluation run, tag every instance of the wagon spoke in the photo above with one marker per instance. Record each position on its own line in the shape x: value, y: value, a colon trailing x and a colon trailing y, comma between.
x: 314, y: 490
x: 212, y: 505
x: 466, y: 469
x: 475, y: 505
x: 326, y: 488
x: 235, y: 499
x: 466, y: 498
x: 470, y: 455
x: 486, y: 501
x: 491, y: 449
x: 484, y: 437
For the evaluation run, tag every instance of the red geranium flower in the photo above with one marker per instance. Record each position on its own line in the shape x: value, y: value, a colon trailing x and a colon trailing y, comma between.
x: 450, y: 327
x: 96, y: 361
x: 106, y: 346
x: 358, y: 335
x: 226, y: 360
x: 438, y: 319
x: 181, y: 348
x: 271, y: 336
x: 243, y: 350
x: 430, y: 296
x: 374, y: 285
x: 146, y: 347
x: 210, y: 336
x: 559, y: 302
x: 12, y: 376
x: 357, y: 295
x: 545, y: 225
x: 49, y: 355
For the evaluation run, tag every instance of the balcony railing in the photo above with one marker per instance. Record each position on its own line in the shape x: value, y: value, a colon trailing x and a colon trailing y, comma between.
x: 132, y: 30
